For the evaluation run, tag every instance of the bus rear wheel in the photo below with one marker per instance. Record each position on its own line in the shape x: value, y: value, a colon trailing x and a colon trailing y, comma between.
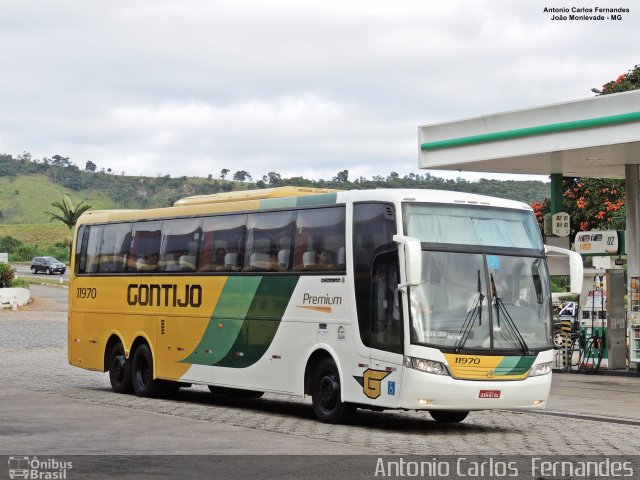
x: 326, y: 394
x: 119, y: 369
x: 142, y: 373
x: 448, y: 416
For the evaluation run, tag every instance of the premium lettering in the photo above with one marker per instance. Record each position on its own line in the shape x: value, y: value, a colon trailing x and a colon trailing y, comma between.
x: 164, y: 295
x: 321, y: 300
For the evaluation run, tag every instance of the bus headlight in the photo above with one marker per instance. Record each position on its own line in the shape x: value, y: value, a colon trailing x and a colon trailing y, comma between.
x: 540, y: 369
x: 429, y: 366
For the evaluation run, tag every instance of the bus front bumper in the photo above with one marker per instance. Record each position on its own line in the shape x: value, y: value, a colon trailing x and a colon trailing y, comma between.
x: 425, y: 391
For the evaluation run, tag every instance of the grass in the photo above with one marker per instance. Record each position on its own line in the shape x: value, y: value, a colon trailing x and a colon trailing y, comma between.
x: 53, y: 281
x: 37, y: 233
x: 27, y: 198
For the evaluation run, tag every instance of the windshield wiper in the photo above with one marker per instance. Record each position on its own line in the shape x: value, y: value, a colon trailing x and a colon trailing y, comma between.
x: 509, y: 323
x: 475, y: 312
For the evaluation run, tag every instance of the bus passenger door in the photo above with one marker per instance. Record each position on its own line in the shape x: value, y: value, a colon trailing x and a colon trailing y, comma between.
x: 385, y: 371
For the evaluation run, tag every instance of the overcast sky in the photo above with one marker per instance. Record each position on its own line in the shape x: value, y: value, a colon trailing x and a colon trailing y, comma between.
x: 302, y: 88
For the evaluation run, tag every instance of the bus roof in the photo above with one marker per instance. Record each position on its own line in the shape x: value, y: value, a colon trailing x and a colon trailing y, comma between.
x: 238, y: 196
x: 281, y: 197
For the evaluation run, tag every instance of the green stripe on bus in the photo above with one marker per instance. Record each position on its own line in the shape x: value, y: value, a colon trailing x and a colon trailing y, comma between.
x: 261, y: 322
x: 515, y: 365
x: 227, y: 320
x: 322, y: 199
x: 302, y: 201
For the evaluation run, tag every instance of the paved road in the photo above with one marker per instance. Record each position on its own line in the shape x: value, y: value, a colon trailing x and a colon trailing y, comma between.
x: 23, y: 271
x: 50, y: 408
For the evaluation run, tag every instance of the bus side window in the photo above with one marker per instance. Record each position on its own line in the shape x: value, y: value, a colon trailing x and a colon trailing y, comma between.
x: 145, y: 247
x: 268, y: 234
x: 89, y: 248
x: 114, y: 249
x: 374, y: 225
x: 179, y: 245
x: 319, y: 239
x: 386, y: 317
x: 222, y: 242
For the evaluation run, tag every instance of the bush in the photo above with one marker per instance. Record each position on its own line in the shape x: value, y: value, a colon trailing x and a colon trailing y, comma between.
x: 19, y: 283
x: 24, y: 253
x: 6, y: 275
x: 9, y: 244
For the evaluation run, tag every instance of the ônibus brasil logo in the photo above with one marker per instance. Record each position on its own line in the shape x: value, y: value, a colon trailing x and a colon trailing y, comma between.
x: 34, y: 468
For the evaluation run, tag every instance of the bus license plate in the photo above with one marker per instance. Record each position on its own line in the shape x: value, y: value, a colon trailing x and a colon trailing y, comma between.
x: 489, y: 394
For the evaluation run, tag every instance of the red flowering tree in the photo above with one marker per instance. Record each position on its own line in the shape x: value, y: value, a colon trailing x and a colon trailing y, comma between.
x: 626, y: 81
x: 594, y: 203
x: 540, y: 210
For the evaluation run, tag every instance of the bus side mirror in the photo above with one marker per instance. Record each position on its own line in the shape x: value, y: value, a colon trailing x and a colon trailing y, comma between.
x: 412, y: 260
x: 575, y: 267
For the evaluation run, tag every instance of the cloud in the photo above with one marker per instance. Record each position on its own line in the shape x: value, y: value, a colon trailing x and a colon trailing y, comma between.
x: 305, y: 89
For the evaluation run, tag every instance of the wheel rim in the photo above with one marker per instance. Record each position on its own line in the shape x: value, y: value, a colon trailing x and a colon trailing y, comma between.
x: 328, y: 392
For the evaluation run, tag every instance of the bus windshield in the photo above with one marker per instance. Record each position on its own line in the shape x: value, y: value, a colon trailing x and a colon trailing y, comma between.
x: 484, y: 282
x: 472, y: 225
x: 476, y: 301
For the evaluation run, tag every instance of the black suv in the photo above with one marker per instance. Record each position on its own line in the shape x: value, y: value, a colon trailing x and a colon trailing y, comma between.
x: 48, y: 265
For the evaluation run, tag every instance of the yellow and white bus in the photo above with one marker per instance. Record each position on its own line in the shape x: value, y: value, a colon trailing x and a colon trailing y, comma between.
x: 381, y: 299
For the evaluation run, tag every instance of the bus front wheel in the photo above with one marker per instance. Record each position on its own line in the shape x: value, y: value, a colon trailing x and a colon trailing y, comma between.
x: 326, y: 394
x: 448, y: 416
x: 142, y: 373
x: 119, y: 369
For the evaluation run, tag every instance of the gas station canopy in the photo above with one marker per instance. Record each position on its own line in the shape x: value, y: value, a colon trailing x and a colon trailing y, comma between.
x: 594, y: 137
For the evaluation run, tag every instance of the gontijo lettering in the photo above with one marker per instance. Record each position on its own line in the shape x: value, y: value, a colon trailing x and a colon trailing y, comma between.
x: 166, y: 294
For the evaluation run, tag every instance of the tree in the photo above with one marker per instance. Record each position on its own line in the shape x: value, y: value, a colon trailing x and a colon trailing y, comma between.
x: 241, y: 176
x: 90, y: 166
x: 223, y: 173
x: 595, y: 203
x: 625, y: 82
x: 272, y: 178
x: 342, y: 177
x: 69, y: 213
x: 59, y: 161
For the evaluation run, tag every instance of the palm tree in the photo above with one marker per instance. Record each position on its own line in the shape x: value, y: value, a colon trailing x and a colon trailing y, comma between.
x: 69, y: 213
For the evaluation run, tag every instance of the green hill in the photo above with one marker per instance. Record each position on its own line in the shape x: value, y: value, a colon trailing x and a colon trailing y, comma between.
x: 27, y: 188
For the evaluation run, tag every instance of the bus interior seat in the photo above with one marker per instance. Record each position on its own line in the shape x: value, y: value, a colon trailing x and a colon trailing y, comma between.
x: 259, y: 261
x: 169, y: 265
x: 231, y: 262
x: 283, y: 259
x: 144, y: 264
x: 187, y: 263
x: 309, y: 260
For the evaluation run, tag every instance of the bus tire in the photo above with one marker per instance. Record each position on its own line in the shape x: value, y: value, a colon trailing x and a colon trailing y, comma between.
x: 326, y: 394
x: 119, y: 369
x: 448, y: 416
x: 142, y: 373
